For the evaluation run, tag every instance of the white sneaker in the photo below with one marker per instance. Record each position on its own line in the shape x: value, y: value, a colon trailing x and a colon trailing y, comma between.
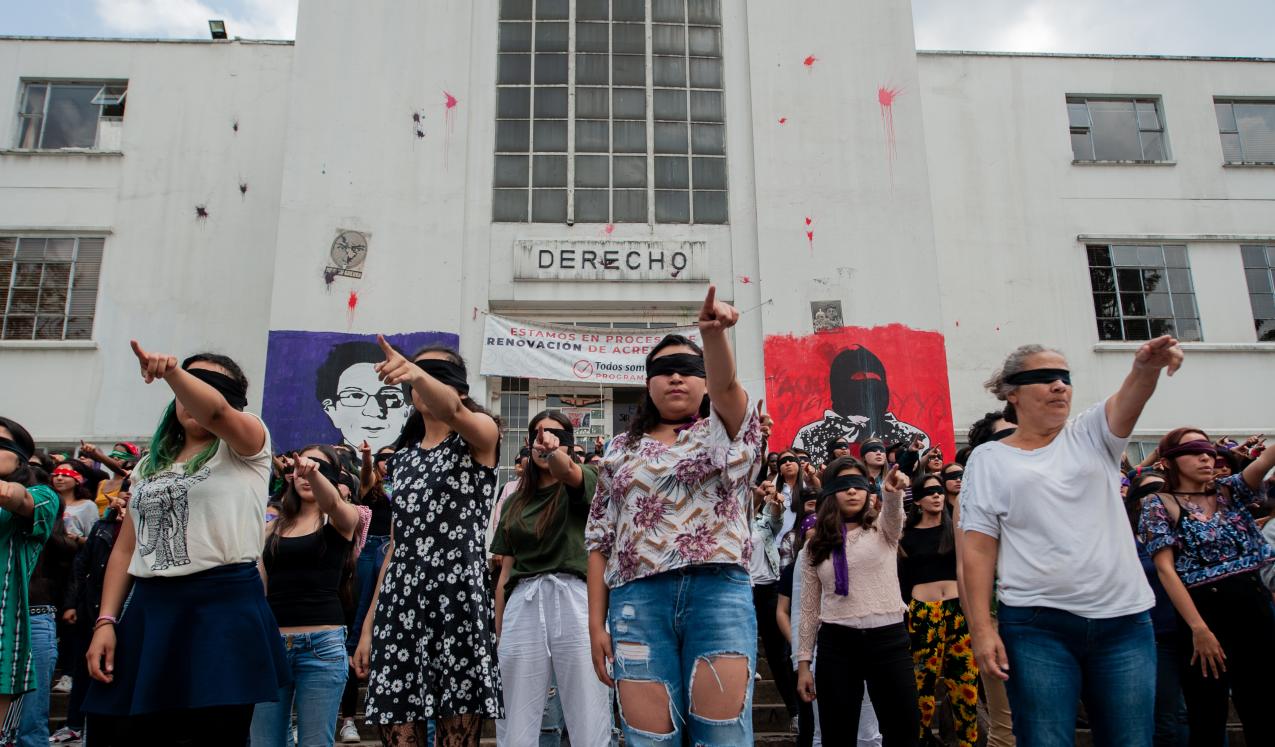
x: 63, y: 685
x: 64, y: 735
x: 349, y: 732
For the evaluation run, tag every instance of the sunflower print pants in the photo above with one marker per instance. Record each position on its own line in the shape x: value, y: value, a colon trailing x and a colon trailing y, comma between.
x: 941, y: 652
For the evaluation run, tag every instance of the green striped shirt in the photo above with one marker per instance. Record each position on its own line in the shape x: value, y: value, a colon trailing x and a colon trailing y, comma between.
x: 21, y: 539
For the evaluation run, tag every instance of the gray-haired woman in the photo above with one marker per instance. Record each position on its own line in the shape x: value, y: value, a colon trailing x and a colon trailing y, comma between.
x: 1042, y: 509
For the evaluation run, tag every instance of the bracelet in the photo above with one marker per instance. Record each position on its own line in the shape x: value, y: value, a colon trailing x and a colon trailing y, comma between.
x: 108, y: 618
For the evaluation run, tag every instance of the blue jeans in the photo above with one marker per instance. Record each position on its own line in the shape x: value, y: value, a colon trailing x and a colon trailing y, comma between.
x: 33, y: 729
x: 319, y: 668
x: 1171, y: 728
x: 669, y: 628
x: 369, y: 565
x: 1057, y: 658
x: 553, y: 722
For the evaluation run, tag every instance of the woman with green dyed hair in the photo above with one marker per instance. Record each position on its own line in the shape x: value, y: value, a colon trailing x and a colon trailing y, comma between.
x: 197, y: 647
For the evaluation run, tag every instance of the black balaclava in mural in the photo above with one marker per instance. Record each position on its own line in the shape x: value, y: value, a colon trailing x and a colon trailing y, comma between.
x: 857, y: 382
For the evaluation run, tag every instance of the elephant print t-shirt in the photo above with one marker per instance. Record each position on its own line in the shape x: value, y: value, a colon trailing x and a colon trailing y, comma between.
x: 215, y: 516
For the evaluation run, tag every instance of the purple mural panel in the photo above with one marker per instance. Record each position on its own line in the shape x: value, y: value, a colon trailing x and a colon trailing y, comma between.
x: 321, y: 388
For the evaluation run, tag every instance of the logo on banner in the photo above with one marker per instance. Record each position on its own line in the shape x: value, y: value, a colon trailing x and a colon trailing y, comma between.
x: 582, y: 369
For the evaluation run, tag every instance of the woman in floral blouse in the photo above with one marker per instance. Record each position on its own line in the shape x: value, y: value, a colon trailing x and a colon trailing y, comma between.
x: 1208, y: 551
x: 670, y: 605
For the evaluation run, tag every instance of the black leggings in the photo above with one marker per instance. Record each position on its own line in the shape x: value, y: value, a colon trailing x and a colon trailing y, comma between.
x: 846, y: 659
x: 1238, y: 611
x: 765, y: 601
x: 195, y: 727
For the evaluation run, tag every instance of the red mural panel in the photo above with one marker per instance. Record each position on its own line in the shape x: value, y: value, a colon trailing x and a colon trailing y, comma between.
x: 886, y: 381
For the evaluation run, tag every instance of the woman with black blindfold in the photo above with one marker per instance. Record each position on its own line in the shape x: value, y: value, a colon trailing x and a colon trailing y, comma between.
x: 850, y: 595
x: 308, y: 566
x: 542, y: 603
x: 429, y: 642
x: 1042, y: 509
x: 1208, y: 552
x: 670, y: 605
x: 28, y: 512
x: 190, y: 555
x: 941, y: 652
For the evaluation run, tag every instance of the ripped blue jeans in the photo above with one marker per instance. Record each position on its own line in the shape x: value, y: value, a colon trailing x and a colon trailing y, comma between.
x: 682, y: 628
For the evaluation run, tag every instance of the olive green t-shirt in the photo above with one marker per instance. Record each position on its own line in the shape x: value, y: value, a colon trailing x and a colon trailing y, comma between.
x: 561, y: 548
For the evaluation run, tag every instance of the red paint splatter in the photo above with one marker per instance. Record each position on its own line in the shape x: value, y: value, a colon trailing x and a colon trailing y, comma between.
x: 885, y: 98
x: 810, y: 61
x: 353, y: 301
x: 449, y: 125
x: 810, y: 236
x: 783, y: 120
x: 745, y: 280
x: 609, y: 229
x: 450, y: 101
x: 809, y: 220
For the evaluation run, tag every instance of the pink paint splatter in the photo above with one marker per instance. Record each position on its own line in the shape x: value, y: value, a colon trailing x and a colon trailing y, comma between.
x: 351, y: 305
x: 450, y: 100
x: 886, y: 97
x: 449, y: 125
x: 745, y: 280
x: 810, y: 61
x: 609, y: 229
x: 809, y: 220
x: 810, y: 236
x: 783, y: 120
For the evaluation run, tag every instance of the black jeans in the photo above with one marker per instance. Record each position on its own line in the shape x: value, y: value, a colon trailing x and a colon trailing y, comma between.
x: 846, y: 659
x: 1238, y: 611
x: 221, y: 726
x: 765, y: 601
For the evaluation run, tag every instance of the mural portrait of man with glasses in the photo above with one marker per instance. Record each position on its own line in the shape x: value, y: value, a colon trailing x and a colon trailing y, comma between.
x: 356, y: 402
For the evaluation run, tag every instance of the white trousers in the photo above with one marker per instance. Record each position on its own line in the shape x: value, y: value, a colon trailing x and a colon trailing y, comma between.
x: 545, y: 630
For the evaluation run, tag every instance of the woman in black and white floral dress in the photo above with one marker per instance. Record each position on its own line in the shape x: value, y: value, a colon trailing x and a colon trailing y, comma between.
x: 429, y: 645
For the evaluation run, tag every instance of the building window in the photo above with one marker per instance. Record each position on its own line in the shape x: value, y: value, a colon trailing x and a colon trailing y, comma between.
x: 609, y: 114
x: 1116, y: 129
x: 1142, y: 292
x: 1247, y: 129
x: 513, y: 423
x: 48, y: 287
x: 1259, y: 271
x: 55, y: 116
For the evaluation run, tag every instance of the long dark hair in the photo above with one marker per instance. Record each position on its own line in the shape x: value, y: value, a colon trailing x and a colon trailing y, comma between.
x: 85, y: 490
x: 414, y: 429
x: 290, y: 509
x: 648, y: 415
x: 22, y: 437
x: 170, y: 437
x: 798, y: 485
x: 947, y: 539
x: 829, y: 519
x: 529, y: 483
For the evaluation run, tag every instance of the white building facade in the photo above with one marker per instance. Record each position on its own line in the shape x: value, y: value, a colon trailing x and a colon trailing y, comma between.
x: 410, y: 169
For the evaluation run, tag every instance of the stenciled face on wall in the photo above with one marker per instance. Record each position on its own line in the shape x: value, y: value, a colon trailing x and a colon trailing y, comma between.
x: 321, y: 387
x: 357, y: 403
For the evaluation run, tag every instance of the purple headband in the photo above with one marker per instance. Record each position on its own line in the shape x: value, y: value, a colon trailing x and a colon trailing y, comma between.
x: 1199, y: 446
x: 808, y: 523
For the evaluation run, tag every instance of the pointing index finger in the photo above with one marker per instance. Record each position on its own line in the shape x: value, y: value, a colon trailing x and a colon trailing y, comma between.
x: 137, y: 350
x: 710, y: 299
x: 386, y: 348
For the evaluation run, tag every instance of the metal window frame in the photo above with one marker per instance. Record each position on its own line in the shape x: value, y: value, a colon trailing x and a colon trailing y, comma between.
x: 70, y: 284
x: 1134, y: 99
x: 649, y: 94
x: 1267, y: 251
x: 1163, y: 267
x: 49, y: 84
x: 1231, y: 102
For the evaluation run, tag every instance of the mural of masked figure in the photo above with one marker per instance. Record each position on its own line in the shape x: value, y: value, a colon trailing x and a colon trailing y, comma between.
x: 860, y: 406
x: 355, y: 400
x: 163, y: 513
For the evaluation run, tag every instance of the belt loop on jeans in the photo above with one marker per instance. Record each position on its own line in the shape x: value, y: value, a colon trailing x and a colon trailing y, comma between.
x: 43, y: 609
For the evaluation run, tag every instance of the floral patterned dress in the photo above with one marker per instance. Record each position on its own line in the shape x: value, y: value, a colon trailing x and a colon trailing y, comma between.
x: 433, y: 639
x: 660, y: 507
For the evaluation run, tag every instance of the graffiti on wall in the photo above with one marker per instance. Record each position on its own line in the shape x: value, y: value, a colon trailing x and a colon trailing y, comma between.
x: 321, y: 387
x: 889, y: 382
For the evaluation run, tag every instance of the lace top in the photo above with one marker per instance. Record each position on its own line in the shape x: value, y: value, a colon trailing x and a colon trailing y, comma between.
x: 874, y: 598
x: 661, y: 507
x: 1227, y: 543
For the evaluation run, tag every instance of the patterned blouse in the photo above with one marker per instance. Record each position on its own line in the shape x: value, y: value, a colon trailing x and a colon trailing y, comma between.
x: 659, y: 507
x: 1209, y: 550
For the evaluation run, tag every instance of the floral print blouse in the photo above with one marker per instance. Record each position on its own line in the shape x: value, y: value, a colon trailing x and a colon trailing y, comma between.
x: 1226, y: 544
x: 662, y: 507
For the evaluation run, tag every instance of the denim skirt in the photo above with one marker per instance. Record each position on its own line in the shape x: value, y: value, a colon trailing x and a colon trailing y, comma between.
x: 198, y: 641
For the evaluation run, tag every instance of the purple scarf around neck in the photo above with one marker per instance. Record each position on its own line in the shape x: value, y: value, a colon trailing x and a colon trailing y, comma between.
x: 841, y: 566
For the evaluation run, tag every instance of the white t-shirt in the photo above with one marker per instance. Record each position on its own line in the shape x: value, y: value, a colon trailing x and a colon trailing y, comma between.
x: 79, y: 519
x: 1064, y: 536
x: 214, y: 517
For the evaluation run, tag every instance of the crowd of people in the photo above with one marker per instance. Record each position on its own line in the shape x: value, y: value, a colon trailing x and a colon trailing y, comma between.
x: 204, y: 589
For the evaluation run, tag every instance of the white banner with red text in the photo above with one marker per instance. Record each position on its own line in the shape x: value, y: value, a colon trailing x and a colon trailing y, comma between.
x: 529, y: 350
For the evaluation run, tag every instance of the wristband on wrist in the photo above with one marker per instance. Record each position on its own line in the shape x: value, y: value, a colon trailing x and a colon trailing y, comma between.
x: 108, y: 618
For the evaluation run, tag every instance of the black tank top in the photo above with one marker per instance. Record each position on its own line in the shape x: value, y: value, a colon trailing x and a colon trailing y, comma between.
x: 303, y: 577
x: 924, y: 563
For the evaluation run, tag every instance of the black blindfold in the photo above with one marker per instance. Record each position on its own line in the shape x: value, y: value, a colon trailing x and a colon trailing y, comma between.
x: 565, y: 437
x: 15, y: 447
x: 1040, y: 376
x: 446, y: 372
x: 869, y: 448
x: 235, y: 394
x: 788, y: 460
x: 928, y: 490
x: 677, y: 363
x: 847, y: 482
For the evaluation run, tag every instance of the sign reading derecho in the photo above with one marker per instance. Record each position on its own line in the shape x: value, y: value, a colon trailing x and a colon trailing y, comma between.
x: 558, y: 353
